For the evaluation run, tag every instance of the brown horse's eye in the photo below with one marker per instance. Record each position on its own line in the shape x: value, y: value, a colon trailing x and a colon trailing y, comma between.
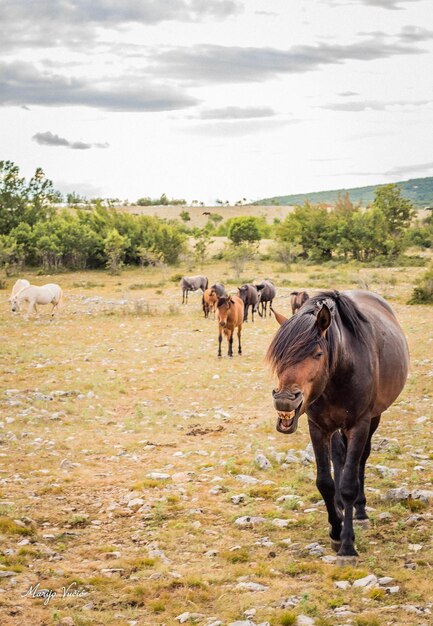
x: 318, y: 355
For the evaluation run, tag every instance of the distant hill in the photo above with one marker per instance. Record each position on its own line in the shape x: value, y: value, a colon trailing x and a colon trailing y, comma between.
x: 418, y: 190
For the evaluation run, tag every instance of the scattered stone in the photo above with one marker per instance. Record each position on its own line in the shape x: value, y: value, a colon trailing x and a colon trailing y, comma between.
x: 248, y: 521
x: 307, y: 456
x: 66, y: 621
x: 415, y: 547
x: 384, y: 444
x: 239, y: 498
x: 280, y: 523
x: 135, y: 503
x: 385, y: 471
x: 342, y: 584
x: 262, y: 462
x: 397, y: 495
x: 248, y: 480
x: 315, y: 549
x: 384, y: 516
x: 189, y: 617
x: 6, y: 574
x: 182, y: 477
x: 385, y: 580
x: 422, y: 494
x: 392, y: 590
x: 367, y: 582
x: 251, y: 587
x: 158, y: 476
x: 264, y: 542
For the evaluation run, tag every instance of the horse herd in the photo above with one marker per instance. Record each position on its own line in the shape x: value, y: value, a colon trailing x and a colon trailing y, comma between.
x: 232, y: 310
x: 342, y: 359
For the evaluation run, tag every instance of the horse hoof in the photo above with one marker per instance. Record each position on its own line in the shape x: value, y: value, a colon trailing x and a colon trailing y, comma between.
x: 335, y: 545
x: 362, y: 523
x: 347, y: 561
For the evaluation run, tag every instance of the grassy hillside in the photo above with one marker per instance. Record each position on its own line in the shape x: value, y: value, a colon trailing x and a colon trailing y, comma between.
x: 418, y: 190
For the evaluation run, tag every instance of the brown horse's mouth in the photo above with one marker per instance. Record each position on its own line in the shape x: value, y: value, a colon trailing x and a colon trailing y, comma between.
x: 287, y: 422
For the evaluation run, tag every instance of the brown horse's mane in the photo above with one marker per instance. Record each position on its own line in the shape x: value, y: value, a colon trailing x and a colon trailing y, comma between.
x: 297, y: 338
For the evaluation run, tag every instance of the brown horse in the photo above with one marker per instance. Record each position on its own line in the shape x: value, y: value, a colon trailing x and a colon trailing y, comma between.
x: 298, y: 298
x: 230, y: 316
x: 209, y: 301
x: 343, y: 360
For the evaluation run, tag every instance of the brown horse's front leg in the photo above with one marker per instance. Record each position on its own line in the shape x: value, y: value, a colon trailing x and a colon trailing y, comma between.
x: 239, y: 340
x: 220, y: 338
x: 230, y: 340
x: 322, y: 443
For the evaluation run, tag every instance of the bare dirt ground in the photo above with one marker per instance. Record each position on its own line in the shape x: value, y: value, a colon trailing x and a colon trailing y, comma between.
x: 129, y: 469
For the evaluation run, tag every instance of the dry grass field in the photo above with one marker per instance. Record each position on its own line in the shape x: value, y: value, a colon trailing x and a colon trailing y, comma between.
x: 128, y: 455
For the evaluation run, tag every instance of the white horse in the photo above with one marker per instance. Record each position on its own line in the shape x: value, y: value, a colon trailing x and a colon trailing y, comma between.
x: 20, y: 284
x: 50, y: 293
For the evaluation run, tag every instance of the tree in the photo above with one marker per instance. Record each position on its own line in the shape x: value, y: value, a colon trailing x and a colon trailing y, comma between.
x: 185, y: 216
x: 238, y: 255
x: 114, y: 246
x: 244, y: 229
x: 202, y: 243
x: 398, y: 211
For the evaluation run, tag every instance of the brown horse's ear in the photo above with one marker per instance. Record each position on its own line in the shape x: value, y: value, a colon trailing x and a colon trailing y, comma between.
x: 324, y: 319
x: 280, y: 318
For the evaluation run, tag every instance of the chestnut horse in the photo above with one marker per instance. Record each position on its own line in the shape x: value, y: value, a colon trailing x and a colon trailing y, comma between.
x: 298, y: 298
x: 342, y: 360
x: 209, y: 301
x: 230, y: 316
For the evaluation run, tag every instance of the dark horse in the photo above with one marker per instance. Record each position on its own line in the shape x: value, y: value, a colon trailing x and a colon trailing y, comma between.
x: 298, y: 299
x: 267, y: 293
x: 250, y: 297
x: 343, y: 360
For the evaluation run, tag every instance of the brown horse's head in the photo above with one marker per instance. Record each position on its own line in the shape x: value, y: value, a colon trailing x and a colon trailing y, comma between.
x: 224, y: 304
x: 299, y: 356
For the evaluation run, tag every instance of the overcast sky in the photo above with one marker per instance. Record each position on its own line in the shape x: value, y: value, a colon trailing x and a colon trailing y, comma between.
x: 206, y: 99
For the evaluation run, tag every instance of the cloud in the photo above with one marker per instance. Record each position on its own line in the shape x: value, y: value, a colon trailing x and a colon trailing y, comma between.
x: 392, y: 5
x: 53, y: 23
x: 346, y: 94
x: 372, y: 105
x: 403, y: 170
x: 49, y: 139
x: 236, y: 113
x: 232, y: 64
x: 23, y: 84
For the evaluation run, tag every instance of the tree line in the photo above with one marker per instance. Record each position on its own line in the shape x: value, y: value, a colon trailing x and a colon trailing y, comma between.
x: 34, y: 232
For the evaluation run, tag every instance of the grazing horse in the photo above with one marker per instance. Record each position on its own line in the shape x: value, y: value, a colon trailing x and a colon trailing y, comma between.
x: 298, y: 298
x: 250, y: 297
x: 47, y: 294
x: 21, y: 283
x: 209, y: 301
x: 343, y: 360
x: 219, y: 288
x: 267, y: 293
x: 230, y: 316
x: 192, y: 283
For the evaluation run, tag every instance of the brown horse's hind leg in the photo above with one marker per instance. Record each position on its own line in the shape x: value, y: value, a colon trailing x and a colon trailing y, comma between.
x: 239, y: 340
x: 360, y: 502
x: 220, y: 338
x: 325, y: 484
